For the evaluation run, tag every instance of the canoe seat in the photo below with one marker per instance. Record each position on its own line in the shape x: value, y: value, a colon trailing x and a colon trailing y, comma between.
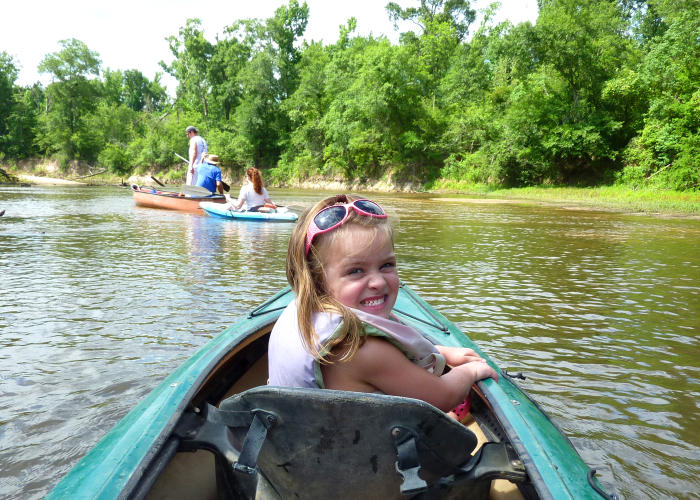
x: 310, y: 443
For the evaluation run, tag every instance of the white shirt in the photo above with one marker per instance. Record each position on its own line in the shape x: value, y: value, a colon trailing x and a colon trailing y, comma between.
x: 252, y: 198
x: 201, y: 146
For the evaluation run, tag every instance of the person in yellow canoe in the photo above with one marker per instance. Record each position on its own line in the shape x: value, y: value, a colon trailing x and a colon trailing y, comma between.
x: 253, y: 194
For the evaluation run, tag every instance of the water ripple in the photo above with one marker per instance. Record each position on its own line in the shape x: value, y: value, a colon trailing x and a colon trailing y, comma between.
x: 102, y: 300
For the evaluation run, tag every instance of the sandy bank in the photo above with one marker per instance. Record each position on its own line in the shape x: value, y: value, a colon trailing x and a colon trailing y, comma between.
x: 50, y: 181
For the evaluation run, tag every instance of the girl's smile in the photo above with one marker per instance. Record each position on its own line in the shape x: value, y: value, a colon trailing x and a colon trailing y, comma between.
x: 360, y: 270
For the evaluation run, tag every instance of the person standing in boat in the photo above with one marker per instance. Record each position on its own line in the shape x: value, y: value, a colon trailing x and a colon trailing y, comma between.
x: 340, y: 333
x: 198, y: 146
x: 209, y: 174
x: 253, y: 194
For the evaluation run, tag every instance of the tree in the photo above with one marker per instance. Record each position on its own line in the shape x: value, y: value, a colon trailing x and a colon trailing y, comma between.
x: 192, y: 54
x: 667, y: 149
x: 288, y: 24
x: 230, y: 56
x: 557, y: 118
x: 431, y: 13
x: 8, y: 76
x: 70, y: 98
x: 134, y: 90
x: 257, y: 117
x: 303, y: 152
x: 443, y: 25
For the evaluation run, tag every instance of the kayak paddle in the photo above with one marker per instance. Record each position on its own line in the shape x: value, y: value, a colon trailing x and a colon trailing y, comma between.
x: 157, y: 181
x: 191, y: 190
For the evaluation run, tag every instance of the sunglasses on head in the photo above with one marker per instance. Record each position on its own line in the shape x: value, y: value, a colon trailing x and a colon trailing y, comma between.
x: 334, y: 216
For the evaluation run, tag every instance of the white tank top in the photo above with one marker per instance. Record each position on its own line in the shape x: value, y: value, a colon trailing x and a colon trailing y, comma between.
x: 291, y: 365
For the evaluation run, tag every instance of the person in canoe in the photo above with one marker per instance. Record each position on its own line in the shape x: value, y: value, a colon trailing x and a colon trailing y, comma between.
x: 339, y: 332
x: 209, y: 174
x: 198, y: 146
x: 253, y: 194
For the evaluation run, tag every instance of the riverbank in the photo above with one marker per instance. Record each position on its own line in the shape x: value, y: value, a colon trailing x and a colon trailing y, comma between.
x: 50, y: 181
x: 604, y: 198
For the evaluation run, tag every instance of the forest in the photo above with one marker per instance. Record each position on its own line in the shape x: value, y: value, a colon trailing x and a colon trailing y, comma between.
x: 596, y: 92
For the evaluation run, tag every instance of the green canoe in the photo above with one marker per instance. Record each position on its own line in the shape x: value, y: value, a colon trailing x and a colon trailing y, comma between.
x: 213, y: 429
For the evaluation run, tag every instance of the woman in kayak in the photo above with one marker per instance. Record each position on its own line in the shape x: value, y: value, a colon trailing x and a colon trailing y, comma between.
x: 253, y: 194
x: 339, y: 332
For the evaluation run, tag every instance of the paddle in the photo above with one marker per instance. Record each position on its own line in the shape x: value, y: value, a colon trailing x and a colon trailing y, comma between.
x: 191, y: 190
x: 157, y: 181
x: 226, y: 187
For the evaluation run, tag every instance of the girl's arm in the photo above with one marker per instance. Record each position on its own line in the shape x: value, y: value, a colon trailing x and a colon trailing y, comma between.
x: 241, y: 198
x: 379, y: 366
x: 456, y: 356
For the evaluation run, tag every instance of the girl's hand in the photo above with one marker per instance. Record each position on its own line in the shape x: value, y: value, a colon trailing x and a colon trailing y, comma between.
x: 474, y: 371
x: 455, y: 356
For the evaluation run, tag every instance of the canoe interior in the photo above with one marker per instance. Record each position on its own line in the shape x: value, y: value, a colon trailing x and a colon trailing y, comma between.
x: 193, y: 474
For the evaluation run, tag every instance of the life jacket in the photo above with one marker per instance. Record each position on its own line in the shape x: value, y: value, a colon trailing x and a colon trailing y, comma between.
x: 291, y: 365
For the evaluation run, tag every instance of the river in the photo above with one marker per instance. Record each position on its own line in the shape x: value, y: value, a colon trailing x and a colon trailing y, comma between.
x: 101, y: 300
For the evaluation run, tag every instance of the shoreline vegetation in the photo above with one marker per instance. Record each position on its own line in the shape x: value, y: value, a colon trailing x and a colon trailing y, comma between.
x: 616, y: 198
x: 600, y: 93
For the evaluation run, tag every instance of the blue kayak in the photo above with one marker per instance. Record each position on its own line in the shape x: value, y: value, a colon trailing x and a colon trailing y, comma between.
x: 219, y: 210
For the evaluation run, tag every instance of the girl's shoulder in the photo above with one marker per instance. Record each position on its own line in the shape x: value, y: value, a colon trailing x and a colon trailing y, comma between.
x: 325, y: 323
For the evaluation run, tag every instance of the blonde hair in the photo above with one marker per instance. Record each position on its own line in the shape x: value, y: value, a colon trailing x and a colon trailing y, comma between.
x: 306, y: 276
x: 256, y: 178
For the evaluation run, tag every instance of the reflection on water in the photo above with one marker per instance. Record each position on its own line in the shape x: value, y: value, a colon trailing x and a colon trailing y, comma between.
x: 102, y: 300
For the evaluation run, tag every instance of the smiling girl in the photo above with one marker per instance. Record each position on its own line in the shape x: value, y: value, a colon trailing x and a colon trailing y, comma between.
x: 339, y: 332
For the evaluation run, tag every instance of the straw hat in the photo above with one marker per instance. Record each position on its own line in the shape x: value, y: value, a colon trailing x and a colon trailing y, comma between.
x: 210, y: 158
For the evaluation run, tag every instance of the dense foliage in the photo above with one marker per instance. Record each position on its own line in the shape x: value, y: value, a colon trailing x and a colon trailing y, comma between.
x: 595, y: 92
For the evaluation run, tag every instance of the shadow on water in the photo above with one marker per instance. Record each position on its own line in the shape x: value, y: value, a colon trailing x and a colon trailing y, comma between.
x: 102, y: 300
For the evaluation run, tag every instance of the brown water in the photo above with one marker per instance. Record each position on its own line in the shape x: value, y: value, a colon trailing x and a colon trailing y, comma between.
x: 101, y: 300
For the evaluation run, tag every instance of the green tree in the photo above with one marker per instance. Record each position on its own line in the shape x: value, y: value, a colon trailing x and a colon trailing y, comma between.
x: 71, y: 97
x: 303, y: 152
x: 376, y: 115
x: 229, y: 57
x: 265, y: 81
x: 666, y: 151
x: 17, y: 114
x: 134, y: 90
x: 24, y: 122
x: 8, y: 76
x: 287, y: 25
x: 474, y: 97
x: 192, y: 52
x: 257, y: 116
x: 141, y: 94
x: 559, y: 127
x: 442, y: 25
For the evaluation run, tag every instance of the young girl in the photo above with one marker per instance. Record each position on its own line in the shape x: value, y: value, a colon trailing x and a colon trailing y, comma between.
x: 339, y: 332
x: 253, y: 194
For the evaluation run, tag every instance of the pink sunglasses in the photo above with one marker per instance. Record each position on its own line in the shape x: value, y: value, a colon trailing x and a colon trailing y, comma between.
x: 334, y: 216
